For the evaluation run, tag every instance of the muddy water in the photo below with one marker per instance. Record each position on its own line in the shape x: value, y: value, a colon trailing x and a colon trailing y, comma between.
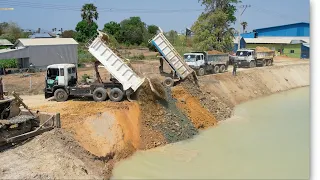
x: 267, y: 138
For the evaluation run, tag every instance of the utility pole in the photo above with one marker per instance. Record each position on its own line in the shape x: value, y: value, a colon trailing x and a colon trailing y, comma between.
x: 243, y: 8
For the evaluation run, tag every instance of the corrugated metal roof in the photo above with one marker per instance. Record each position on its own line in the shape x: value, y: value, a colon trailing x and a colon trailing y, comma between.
x: 277, y: 40
x: 281, y: 26
x: 47, y: 41
x: 4, y: 42
x: 40, y: 35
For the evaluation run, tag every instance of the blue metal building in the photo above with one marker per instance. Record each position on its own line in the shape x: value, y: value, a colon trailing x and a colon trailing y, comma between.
x: 297, y: 29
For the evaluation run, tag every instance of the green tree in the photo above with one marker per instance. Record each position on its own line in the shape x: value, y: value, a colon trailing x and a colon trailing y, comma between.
x: 85, y: 30
x: 244, y: 26
x: 212, y: 29
x: 133, y: 31
x: 172, y: 36
x: 11, y: 31
x: 68, y: 34
x: 153, y: 29
x: 112, y: 28
x: 89, y: 12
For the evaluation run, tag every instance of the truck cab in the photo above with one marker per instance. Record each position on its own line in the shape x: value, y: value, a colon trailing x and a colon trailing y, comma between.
x: 195, y: 60
x: 246, y: 57
x: 60, y: 76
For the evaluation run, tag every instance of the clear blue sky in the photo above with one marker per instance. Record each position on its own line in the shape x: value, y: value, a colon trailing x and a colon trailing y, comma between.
x: 47, y: 14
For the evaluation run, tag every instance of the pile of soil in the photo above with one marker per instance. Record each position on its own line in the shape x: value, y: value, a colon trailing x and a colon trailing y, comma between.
x: 53, y: 155
x: 208, y: 100
x: 214, y: 52
x: 263, y: 49
x: 200, y: 117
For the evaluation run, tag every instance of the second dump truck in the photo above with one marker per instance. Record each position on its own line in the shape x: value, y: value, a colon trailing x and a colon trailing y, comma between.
x: 204, y: 62
x: 254, y: 57
x: 172, y: 57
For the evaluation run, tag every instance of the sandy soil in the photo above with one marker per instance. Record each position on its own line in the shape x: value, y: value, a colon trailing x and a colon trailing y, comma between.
x: 53, y: 155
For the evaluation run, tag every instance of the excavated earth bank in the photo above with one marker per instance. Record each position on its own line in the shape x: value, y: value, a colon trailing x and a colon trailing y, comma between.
x: 94, y: 136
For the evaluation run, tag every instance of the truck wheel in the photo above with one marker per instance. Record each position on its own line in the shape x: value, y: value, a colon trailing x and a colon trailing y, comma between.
x: 216, y: 69
x: 99, y: 94
x: 201, y: 72
x: 264, y: 63
x: 168, y: 82
x: 252, y: 64
x: 222, y: 68
x: 269, y: 62
x: 60, y: 95
x: 116, y: 95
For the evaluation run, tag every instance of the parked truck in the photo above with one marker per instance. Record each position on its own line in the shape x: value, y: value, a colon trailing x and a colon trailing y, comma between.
x: 61, y: 79
x: 169, y: 54
x: 203, y: 62
x: 252, y: 58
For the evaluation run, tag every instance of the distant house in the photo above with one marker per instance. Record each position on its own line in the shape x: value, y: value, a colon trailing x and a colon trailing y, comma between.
x: 289, y: 39
x: 41, y: 52
x: 296, y: 47
x: 4, y: 43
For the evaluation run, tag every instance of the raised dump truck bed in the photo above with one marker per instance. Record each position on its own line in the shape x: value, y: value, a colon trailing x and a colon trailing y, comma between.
x: 171, y: 56
x: 114, y: 64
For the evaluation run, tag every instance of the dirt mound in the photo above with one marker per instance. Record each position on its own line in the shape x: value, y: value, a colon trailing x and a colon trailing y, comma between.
x: 208, y: 100
x: 54, y: 155
x: 263, y: 49
x: 214, y: 52
x: 199, y: 116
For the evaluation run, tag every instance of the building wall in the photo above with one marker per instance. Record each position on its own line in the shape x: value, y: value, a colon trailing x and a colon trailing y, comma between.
x: 295, y: 47
x: 305, y: 52
x: 299, y: 29
x: 284, y: 48
x: 42, y: 56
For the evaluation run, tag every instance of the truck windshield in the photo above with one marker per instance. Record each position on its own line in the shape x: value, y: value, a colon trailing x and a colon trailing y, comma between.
x: 242, y: 53
x: 190, y: 58
x: 52, y: 73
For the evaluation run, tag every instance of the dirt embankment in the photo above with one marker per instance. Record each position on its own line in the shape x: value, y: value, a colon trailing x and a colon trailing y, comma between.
x: 112, y: 131
x: 232, y: 90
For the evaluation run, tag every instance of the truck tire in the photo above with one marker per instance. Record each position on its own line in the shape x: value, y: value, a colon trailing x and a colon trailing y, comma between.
x: 99, y: 94
x: 168, y: 82
x: 216, y: 69
x: 264, y: 63
x: 116, y: 95
x: 201, y: 72
x: 252, y: 64
x: 269, y: 63
x: 61, y: 95
x: 222, y: 68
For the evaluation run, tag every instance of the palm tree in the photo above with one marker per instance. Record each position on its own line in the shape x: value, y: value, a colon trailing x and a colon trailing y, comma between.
x: 244, y: 26
x: 89, y: 12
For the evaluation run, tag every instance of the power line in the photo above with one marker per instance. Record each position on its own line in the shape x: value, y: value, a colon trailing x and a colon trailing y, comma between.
x: 13, y: 3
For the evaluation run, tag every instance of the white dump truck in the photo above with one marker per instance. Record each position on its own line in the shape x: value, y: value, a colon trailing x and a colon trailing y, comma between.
x: 203, y: 62
x: 172, y: 57
x: 252, y: 58
x: 61, y: 79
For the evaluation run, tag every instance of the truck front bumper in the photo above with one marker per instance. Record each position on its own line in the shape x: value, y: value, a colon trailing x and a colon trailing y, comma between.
x: 242, y: 63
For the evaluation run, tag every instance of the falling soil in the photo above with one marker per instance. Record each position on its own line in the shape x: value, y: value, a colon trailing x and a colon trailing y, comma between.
x: 200, y: 117
x: 161, y: 119
x: 208, y: 100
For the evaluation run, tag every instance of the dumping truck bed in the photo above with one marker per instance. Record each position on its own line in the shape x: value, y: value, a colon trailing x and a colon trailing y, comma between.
x: 171, y: 56
x: 114, y: 64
